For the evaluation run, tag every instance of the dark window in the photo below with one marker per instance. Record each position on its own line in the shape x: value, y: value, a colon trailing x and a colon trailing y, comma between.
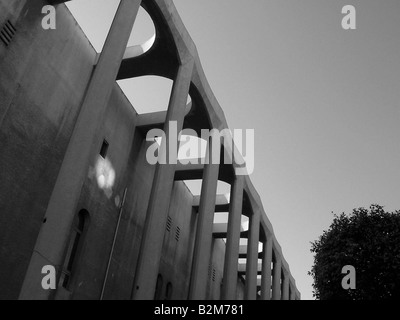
x: 104, y: 149
x: 159, y: 286
x: 168, y: 291
x: 74, y: 247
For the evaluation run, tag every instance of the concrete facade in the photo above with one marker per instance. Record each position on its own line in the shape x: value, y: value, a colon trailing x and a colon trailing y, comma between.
x: 147, y: 236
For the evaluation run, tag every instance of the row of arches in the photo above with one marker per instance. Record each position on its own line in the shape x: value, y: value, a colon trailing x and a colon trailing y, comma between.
x: 174, y: 56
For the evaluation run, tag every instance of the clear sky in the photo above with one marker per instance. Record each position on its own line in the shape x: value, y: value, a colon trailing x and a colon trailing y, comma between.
x: 324, y: 102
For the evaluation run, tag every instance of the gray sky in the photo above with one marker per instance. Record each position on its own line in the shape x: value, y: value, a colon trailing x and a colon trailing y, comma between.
x: 324, y: 102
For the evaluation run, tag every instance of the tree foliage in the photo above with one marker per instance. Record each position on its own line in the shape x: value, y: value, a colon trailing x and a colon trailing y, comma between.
x: 369, y: 240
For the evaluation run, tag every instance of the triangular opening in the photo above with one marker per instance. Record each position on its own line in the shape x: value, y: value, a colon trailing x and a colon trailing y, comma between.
x: 148, y: 93
x: 95, y: 18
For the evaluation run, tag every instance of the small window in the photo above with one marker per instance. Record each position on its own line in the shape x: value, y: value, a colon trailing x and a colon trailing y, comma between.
x: 7, y: 32
x: 169, y: 224
x: 159, y: 286
x: 168, y: 291
x: 104, y: 149
x: 177, y: 234
x: 74, y: 247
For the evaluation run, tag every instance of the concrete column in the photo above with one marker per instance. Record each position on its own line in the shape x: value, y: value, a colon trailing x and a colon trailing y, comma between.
x: 54, y: 234
x: 157, y: 211
x: 252, y: 256
x: 285, y: 287
x: 266, y: 270
x: 292, y: 292
x: 276, y: 279
x: 233, y: 240
x: 205, y: 220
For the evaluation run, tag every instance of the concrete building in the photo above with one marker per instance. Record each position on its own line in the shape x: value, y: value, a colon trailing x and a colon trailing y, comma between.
x: 76, y: 190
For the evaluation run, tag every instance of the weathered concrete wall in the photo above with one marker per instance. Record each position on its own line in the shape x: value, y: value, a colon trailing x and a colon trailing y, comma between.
x: 176, y: 261
x: 216, y: 270
x: 137, y: 175
x: 43, y: 78
x: 42, y: 82
x: 103, y: 206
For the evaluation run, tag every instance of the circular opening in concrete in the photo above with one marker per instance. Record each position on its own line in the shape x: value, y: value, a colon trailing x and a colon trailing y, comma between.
x: 143, y: 35
x: 143, y: 29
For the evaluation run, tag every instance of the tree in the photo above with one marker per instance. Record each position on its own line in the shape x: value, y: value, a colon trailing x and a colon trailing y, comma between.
x: 368, y: 240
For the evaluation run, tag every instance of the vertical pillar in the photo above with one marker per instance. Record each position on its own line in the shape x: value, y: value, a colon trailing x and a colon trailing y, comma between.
x: 203, y: 242
x: 252, y: 256
x: 233, y: 240
x: 266, y: 270
x: 285, y: 286
x: 276, y: 279
x: 157, y: 211
x: 53, y: 236
x: 292, y: 292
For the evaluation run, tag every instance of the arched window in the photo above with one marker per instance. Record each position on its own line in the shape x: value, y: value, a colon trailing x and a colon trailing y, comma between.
x: 168, y: 291
x: 74, y: 247
x: 159, y: 286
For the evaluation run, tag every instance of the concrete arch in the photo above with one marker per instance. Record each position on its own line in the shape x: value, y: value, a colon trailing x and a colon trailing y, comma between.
x: 164, y: 56
x: 214, y: 112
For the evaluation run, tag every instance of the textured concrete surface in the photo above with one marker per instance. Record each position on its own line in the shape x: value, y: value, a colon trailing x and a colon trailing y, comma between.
x: 45, y: 79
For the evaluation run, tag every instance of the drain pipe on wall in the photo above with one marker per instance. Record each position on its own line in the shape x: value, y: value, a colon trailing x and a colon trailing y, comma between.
x: 121, y: 207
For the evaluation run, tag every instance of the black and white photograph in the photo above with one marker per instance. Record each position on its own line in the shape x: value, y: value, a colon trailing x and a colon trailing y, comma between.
x: 200, y: 150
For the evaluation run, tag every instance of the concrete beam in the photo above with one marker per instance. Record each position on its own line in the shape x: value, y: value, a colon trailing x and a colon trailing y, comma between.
x: 220, y: 200
x: 252, y: 256
x: 55, y: 2
x: 258, y: 283
x: 234, y: 228
x: 203, y: 241
x: 243, y: 255
x: 221, y: 203
x: 189, y: 172
x: 156, y: 218
x: 242, y: 268
x: 266, y: 270
x: 276, y: 279
x: 285, y: 287
x: 54, y: 235
x: 292, y: 292
x: 220, y: 231
x: 152, y: 120
x: 243, y: 251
